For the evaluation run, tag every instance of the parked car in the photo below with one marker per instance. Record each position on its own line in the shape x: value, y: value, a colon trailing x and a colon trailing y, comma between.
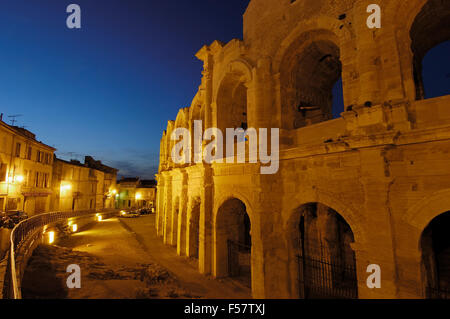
x: 145, y: 211
x: 5, y: 221
x: 18, y: 216
x: 129, y: 214
x: 10, y: 219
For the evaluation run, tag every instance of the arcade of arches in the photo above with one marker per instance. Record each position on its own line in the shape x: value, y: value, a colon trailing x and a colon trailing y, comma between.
x: 368, y: 187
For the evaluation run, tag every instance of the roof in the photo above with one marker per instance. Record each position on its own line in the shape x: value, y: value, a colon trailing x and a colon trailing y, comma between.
x: 89, y: 162
x: 25, y: 133
x: 148, y: 183
x: 98, y: 165
x: 129, y: 180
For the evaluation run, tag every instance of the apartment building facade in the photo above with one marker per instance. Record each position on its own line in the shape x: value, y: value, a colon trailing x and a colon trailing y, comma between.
x: 25, y: 171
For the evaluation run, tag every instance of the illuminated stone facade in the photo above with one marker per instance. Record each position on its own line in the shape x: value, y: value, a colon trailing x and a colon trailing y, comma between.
x: 356, y: 190
x: 82, y: 187
x: 134, y: 193
x: 25, y: 171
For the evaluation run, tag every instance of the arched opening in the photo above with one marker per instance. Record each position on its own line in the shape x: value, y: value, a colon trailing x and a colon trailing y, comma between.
x: 436, y: 71
x: 310, y: 76
x: 435, y: 245
x: 338, y: 99
x: 325, y: 264
x: 194, y: 231
x: 183, y: 231
x: 232, y: 102
x: 233, y: 242
x: 430, y: 28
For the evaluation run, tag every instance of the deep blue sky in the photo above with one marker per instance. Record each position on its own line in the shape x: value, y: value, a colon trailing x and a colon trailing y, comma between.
x: 108, y: 89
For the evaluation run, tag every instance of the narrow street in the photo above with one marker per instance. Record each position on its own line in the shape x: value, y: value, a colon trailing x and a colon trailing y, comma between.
x: 121, y: 258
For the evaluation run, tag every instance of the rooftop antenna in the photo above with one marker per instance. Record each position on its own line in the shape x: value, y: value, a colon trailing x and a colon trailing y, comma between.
x: 13, y: 118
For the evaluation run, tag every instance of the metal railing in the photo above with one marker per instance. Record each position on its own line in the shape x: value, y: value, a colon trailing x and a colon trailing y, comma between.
x: 23, y: 231
x: 239, y: 259
x: 435, y: 293
x: 323, y: 279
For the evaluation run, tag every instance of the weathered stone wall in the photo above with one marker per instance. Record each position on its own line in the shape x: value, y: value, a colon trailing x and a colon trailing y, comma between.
x: 384, y: 166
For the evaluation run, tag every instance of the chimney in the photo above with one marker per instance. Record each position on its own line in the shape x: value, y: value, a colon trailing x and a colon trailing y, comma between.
x: 1, y: 117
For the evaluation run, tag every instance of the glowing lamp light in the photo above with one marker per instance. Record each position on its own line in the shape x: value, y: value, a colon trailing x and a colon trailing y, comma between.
x: 138, y: 196
x: 114, y: 191
x: 51, y: 237
x: 66, y: 187
x: 100, y: 218
x: 19, y: 178
x: 10, y: 179
x: 74, y: 228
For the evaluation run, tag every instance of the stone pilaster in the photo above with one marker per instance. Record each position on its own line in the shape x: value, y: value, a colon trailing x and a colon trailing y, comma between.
x: 205, y: 227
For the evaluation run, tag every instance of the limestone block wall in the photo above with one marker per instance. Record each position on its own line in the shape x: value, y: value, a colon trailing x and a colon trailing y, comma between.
x: 382, y: 168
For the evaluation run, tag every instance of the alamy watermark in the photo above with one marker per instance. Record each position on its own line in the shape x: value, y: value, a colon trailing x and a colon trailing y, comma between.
x: 74, y: 279
x: 236, y: 139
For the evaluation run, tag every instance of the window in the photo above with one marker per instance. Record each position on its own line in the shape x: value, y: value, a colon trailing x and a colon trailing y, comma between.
x: 46, y: 180
x: 18, y: 150
x: 36, y: 181
x: 38, y: 156
x: 30, y: 149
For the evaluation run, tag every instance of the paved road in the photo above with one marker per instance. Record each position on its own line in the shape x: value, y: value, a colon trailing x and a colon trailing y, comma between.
x: 113, y: 255
x: 184, y: 268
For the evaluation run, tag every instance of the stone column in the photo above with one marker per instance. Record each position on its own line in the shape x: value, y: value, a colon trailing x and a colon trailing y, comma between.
x: 168, y: 208
x: 378, y: 246
x: 260, y: 96
x: 182, y: 216
x: 368, y: 57
x: 159, y: 204
x: 206, y: 223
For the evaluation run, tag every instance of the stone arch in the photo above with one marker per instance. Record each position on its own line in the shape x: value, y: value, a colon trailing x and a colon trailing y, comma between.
x: 435, y: 257
x: 232, y: 240
x: 196, y: 113
x: 354, y: 220
x: 416, y: 35
x: 168, y: 142
x: 232, y: 96
x: 182, y: 118
x: 242, y: 196
x: 180, y: 122
x: 424, y: 211
x: 431, y: 27
x: 308, y: 69
x: 420, y: 216
x: 324, y: 23
x: 163, y: 151
x: 321, y: 261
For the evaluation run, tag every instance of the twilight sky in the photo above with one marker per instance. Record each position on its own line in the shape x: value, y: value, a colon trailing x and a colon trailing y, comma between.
x: 108, y: 89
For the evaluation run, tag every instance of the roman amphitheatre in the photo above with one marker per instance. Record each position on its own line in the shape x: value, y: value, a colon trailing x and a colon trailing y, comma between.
x: 369, y: 186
